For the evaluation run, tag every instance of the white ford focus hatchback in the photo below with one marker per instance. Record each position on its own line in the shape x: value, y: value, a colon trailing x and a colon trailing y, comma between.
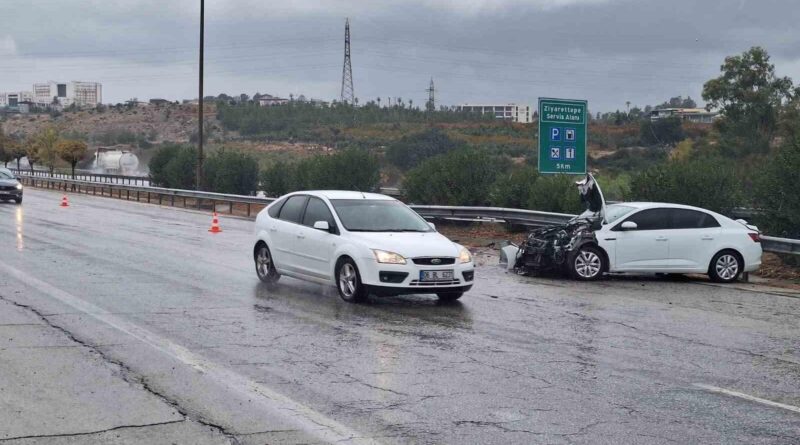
x: 362, y: 243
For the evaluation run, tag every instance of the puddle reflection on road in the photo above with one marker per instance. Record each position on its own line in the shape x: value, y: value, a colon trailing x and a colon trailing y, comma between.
x: 19, y: 218
x: 324, y: 301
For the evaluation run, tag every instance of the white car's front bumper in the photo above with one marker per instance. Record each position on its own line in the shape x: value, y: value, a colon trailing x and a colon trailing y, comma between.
x: 406, y: 278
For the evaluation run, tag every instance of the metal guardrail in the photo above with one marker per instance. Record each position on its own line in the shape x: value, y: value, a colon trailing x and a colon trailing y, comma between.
x: 780, y: 245
x: 87, y: 176
x: 493, y: 214
x: 248, y: 205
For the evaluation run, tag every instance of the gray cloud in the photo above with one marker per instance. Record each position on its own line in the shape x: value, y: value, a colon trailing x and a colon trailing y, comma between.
x: 607, y: 51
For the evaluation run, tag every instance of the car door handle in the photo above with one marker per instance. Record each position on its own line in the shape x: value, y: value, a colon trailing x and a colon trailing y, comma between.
x: 273, y: 229
x: 661, y: 238
x: 707, y: 238
x: 300, y: 236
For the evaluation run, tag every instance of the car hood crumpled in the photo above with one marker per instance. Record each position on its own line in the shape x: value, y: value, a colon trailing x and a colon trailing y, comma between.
x: 591, y: 195
x: 409, y: 244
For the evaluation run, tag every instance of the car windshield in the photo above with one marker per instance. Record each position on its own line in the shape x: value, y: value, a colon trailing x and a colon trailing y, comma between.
x: 378, y: 215
x: 6, y: 174
x: 617, y: 211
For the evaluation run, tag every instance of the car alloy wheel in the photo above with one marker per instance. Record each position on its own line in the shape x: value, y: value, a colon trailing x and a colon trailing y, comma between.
x: 349, y: 282
x: 588, y: 264
x: 727, y: 267
x: 265, y: 268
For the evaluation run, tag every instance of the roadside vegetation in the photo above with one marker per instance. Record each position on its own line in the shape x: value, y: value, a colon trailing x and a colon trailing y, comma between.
x: 748, y: 157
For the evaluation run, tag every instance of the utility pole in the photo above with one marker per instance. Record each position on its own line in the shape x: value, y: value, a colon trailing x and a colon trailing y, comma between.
x: 199, y: 176
x: 431, y: 105
x: 348, y: 94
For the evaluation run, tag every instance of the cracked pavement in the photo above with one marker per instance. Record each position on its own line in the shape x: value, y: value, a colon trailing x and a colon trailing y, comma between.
x: 129, y: 323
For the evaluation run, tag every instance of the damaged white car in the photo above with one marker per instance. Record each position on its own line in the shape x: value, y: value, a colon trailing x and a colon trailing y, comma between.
x: 639, y: 237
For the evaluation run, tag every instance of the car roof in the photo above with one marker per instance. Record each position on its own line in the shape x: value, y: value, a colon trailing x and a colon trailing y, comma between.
x: 344, y: 194
x: 652, y: 205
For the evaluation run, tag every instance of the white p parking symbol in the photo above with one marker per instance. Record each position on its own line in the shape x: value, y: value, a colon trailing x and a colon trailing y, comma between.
x: 555, y: 134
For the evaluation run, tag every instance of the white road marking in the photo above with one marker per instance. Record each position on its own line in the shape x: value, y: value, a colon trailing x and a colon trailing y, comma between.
x: 744, y: 396
x: 307, y: 419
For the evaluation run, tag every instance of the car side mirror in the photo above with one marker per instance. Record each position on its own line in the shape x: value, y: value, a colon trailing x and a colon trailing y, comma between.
x: 322, y: 225
x: 433, y: 226
x: 629, y: 225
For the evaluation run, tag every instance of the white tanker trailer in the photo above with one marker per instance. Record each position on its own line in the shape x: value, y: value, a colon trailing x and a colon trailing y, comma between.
x: 116, y: 162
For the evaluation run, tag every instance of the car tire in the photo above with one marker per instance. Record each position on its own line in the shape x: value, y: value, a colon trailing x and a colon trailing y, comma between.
x: 348, y: 282
x: 725, y: 267
x: 587, y: 264
x: 449, y: 296
x: 18, y: 200
x: 265, y: 266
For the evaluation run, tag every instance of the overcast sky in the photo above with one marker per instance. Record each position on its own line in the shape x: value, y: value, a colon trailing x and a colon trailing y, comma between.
x: 478, y: 51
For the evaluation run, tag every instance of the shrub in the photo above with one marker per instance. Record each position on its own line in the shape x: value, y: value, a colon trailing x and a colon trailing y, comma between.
x: 710, y: 183
x: 174, y: 166
x: 461, y: 177
x: 555, y: 193
x: 776, y: 191
x: 410, y: 151
x: 346, y: 170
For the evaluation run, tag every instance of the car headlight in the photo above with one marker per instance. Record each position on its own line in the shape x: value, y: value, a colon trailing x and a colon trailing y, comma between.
x: 19, y: 186
x: 464, y: 256
x: 383, y: 256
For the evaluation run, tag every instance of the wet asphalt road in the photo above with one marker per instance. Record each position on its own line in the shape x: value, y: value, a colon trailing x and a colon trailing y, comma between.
x: 178, y: 316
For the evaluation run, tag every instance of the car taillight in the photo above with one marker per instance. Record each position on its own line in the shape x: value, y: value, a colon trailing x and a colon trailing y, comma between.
x: 755, y: 237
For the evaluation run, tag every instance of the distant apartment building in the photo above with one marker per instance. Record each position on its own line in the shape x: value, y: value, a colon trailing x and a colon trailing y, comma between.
x: 81, y: 94
x: 14, y: 99
x: 512, y: 112
x: 695, y: 115
x: 268, y: 100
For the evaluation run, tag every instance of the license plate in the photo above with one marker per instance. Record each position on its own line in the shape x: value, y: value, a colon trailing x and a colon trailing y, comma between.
x: 436, y: 275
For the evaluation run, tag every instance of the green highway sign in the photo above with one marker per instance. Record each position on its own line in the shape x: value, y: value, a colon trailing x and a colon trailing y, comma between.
x: 562, y: 136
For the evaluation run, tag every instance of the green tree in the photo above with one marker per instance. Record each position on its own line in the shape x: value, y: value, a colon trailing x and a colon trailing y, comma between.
x: 173, y: 166
x: 278, y: 179
x: 31, y: 148
x: 181, y: 169
x: 6, y: 151
x: 664, y: 131
x: 158, y: 163
x: 47, y: 140
x: 231, y: 172
x: 410, y: 151
x: 750, y: 96
x: 71, y: 151
x: 17, y: 150
x: 344, y: 170
x: 460, y: 177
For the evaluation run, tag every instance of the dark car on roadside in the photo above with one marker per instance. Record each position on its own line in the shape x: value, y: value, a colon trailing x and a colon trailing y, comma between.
x: 10, y: 187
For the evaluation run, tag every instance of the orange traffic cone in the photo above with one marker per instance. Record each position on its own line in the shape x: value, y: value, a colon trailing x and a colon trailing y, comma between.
x: 215, y: 224
x: 64, y: 201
